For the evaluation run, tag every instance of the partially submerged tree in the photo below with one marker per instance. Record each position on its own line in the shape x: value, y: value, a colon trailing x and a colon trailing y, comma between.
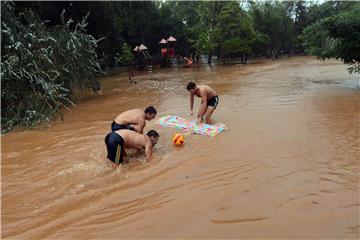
x: 234, y: 33
x: 261, y: 44
x: 202, y: 44
x: 126, y: 58
x: 40, y: 67
x: 274, y: 20
x: 203, y: 30
x: 337, y: 37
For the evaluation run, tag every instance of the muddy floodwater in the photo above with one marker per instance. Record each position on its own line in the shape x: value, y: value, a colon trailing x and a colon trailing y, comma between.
x: 286, y: 167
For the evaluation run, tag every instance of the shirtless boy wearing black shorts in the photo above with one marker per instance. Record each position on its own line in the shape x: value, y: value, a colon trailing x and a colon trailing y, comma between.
x: 209, y: 101
x: 133, y: 119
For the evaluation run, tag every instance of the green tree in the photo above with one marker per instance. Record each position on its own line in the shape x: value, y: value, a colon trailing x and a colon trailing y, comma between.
x: 41, y: 66
x: 300, y: 22
x: 126, y: 58
x: 233, y: 33
x: 336, y: 37
x: 207, y: 12
x: 261, y: 43
x: 189, y: 14
x: 274, y: 20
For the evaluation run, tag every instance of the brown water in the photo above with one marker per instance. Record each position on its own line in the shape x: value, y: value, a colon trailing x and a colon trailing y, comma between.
x: 287, y: 167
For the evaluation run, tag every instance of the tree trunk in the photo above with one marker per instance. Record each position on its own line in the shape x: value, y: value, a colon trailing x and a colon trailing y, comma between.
x: 198, y: 64
x: 129, y: 71
x: 276, y: 54
x: 222, y: 57
x: 209, y: 58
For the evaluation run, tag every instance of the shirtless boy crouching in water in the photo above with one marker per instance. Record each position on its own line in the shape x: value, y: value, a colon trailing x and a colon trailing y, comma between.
x: 209, y: 101
x: 133, y: 119
x: 117, y: 141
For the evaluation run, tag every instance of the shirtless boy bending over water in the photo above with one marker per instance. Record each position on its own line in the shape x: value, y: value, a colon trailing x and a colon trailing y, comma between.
x: 133, y: 119
x: 209, y: 101
x: 117, y: 141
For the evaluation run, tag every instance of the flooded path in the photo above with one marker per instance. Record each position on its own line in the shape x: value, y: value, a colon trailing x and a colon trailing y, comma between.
x: 287, y: 167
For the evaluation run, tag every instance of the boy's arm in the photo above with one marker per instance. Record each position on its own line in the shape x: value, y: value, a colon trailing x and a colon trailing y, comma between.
x: 148, y: 150
x: 191, y: 103
x: 140, y: 127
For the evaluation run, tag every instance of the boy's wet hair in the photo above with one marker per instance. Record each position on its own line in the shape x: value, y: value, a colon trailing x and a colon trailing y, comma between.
x: 151, y: 110
x: 153, y: 133
x: 190, y: 85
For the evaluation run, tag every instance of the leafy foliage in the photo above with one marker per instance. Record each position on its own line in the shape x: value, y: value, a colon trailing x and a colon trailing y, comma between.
x: 261, y: 43
x: 274, y: 20
x: 40, y: 67
x: 234, y: 32
x: 337, y: 36
x: 126, y: 57
x: 43, y: 61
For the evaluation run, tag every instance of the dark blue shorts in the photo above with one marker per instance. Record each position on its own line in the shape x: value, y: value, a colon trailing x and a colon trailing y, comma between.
x: 115, y: 126
x: 115, y: 147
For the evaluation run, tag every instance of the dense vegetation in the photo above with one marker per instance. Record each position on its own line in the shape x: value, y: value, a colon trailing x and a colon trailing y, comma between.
x: 40, y: 66
x: 51, y: 48
x: 336, y: 36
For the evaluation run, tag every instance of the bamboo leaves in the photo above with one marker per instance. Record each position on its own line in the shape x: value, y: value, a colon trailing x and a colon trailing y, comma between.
x: 41, y: 66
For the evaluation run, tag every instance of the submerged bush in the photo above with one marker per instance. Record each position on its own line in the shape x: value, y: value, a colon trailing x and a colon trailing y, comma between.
x: 41, y: 66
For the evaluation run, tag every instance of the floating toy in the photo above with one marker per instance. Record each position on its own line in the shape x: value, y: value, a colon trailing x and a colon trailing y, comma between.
x: 178, y: 139
x: 191, y: 126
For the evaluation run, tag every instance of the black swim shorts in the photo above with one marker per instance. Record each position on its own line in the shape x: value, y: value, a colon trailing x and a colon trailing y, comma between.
x: 115, y: 147
x: 213, y: 102
x: 115, y: 126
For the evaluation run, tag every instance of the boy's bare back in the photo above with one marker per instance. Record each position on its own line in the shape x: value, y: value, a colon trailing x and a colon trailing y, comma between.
x: 133, y: 139
x: 132, y: 116
x: 206, y: 90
